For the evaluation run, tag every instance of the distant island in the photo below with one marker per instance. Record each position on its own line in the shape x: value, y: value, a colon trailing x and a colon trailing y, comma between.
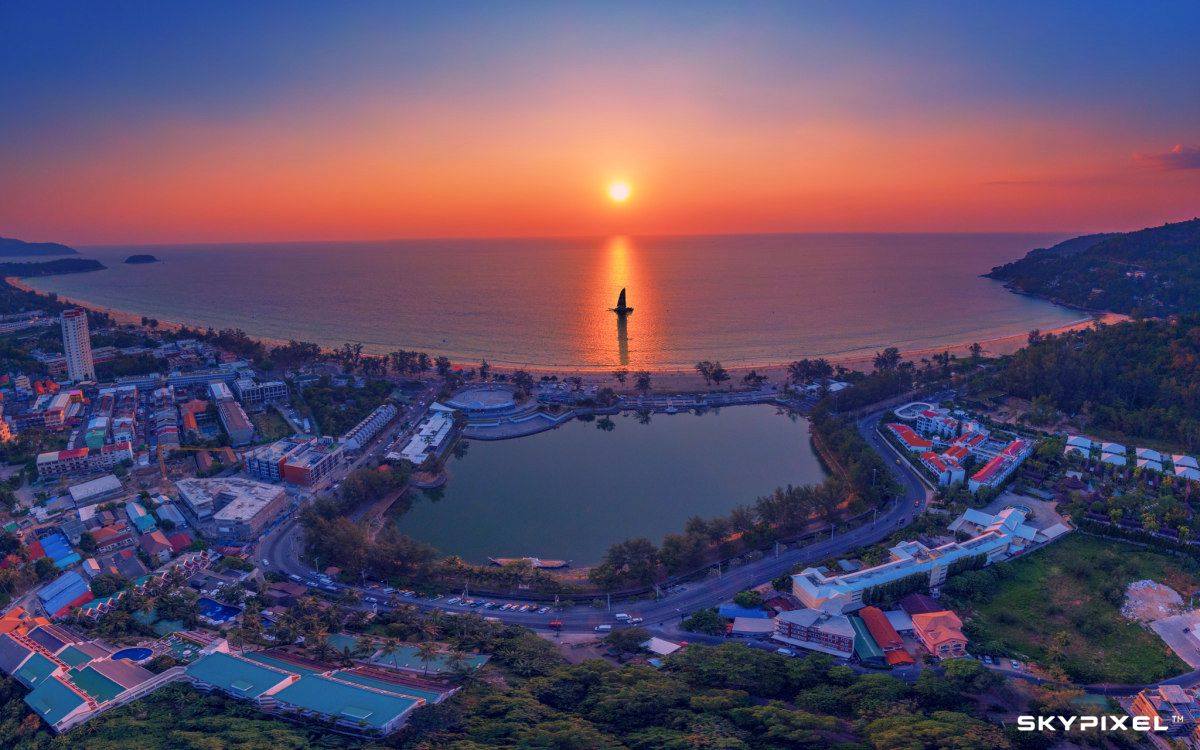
x: 1153, y: 271
x: 12, y: 247
x: 141, y: 259
x: 51, y: 267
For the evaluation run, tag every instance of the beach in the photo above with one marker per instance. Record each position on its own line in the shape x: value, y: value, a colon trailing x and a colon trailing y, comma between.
x: 667, y: 379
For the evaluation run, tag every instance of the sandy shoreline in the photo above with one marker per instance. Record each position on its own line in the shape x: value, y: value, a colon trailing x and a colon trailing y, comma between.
x: 668, y: 379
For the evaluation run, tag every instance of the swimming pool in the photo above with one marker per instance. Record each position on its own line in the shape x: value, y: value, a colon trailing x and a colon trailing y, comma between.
x: 215, y: 612
x: 133, y: 654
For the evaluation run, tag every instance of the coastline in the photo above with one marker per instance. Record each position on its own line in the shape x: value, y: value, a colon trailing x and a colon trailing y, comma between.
x: 664, y: 378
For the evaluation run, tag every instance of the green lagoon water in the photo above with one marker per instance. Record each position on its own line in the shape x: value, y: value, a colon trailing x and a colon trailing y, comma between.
x: 571, y: 492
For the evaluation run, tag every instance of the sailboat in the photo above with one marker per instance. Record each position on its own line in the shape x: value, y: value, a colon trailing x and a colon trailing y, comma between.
x: 622, y: 308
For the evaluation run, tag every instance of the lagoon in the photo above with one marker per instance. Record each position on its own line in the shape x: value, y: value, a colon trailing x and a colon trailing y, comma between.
x: 571, y: 492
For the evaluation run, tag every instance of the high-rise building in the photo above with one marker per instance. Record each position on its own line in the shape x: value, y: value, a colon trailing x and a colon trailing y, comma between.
x: 77, y: 345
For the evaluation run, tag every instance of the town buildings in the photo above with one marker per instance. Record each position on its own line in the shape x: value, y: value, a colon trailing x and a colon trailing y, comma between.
x: 77, y: 345
x: 296, y: 461
x: 255, y: 394
x: 233, y: 418
x: 82, y: 461
x: 941, y: 633
x: 431, y: 438
x: 1176, y: 707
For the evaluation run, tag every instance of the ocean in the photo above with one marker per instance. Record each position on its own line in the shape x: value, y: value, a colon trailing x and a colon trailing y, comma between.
x: 741, y: 299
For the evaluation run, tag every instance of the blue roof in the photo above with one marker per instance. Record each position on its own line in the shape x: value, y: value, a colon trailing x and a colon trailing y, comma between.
x: 731, y: 611
x: 342, y: 702
x: 62, y: 591
x: 235, y: 676
x: 53, y: 701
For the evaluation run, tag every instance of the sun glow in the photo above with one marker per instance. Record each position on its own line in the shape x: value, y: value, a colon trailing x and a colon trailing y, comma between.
x: 619, y: 191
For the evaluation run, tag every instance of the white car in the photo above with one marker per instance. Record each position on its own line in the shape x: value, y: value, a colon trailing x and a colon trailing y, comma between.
x: 621, y: 616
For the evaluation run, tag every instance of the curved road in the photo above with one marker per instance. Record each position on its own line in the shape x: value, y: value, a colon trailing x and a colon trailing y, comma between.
x: 282, y: 547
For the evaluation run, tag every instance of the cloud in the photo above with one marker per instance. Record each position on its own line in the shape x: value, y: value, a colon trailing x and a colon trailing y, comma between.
x: 1179, y: 157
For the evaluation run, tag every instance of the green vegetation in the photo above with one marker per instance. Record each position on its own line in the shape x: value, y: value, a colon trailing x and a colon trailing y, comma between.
x: 271, y: 425
x: 50, y: 267
x: 125, y: 365
x: 1150, y: 272
x: 1137, y: 379
x: 338, y: 408
x: 1061, y: 606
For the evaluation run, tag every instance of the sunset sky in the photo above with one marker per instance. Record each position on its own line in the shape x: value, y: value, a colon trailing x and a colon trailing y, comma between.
x: 173, y: 122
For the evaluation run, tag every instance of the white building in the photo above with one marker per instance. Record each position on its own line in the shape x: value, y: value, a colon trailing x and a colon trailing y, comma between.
x: 994, y: 472
x: 1148, y: 454
x: 1113, y: 459
x: 361, y: 433
x: 254, y: 394
x: 429, y: 439
x: 1181, y: 460
x: 77, y: 345
x: 997, y: 538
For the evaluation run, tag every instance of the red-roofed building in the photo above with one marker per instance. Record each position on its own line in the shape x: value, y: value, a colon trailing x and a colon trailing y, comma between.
x: 885, y: 635
x: 109, y: 538
x: 994, y: 472
x: 909, y: 438
x: 179, y: 541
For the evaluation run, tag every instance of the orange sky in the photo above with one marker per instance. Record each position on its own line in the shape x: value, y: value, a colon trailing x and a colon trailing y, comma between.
x: 525, y: 138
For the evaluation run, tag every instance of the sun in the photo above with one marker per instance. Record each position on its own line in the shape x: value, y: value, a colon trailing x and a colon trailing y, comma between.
x: 619, y: 191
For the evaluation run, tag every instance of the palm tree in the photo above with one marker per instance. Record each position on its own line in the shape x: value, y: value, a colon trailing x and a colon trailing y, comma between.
x: 426, y: 652
x: 620, y: 375
x: 642, y: 381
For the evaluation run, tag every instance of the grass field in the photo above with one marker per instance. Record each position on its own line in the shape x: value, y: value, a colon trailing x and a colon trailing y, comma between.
x: 1061, y: 608
x: 271, y: 425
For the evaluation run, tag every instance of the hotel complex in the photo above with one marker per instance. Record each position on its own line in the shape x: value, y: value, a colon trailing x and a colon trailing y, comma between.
x: 996, y: 538
x: 942, y: 443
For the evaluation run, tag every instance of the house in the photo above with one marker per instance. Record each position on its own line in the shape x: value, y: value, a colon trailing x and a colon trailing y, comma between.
x: 1146, y: 464
x: 1079, y: 445
x: 1113, y: 448
x: 1177, y: 707
x: 1149, y: 454
x: 1113, y: 459
x: 123, y: 563
x: 941, y: 633
x: 180, y: 541
x: 139, y: 517
x: 816, y: 630
x: 1181, y: 460
x: 1187, y: 472
x: 156, y: 544
x: 114, y: 537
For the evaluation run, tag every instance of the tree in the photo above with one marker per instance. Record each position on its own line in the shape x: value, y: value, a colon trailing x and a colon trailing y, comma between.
x: 719, y: 374
x: 627, y: 640
x: 753, y: 379
x: 620, y: 376
x: 705, y: 368
x: 426, y: 652
x: 641, y: 381
x: 976, y: 350
x: 485, y: 369
x: 887, y: 360
x: 442, y: 365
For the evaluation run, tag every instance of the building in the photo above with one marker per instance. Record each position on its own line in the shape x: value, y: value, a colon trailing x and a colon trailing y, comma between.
x: 937, y: 422
x: 1079, y: 445
x: 95, y: 491
x: 885, y: 636
x: 909, y: 438
x: 77, y: 345
x: 81, y: 461
x: 947, y: 469
x: 941, y: 633
x: 139, y: 517
x: 233, y: 510
x: 254, y: 394
x: 112, y: 538
x: 233, y: 418
x: 362, y: 433
x: 997, y: 470
x: 1003, y: 536
x: 168, y: 512
x: 1177, y: 708
x: 431, y: 438
x: 156, y: 545
x: 302, y: 462
x: 63, y: 594
x: 816, y: 631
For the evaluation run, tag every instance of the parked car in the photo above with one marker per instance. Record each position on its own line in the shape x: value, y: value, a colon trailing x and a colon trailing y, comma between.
x: 603, y: 628
x: 785, y: 652
x: 621, y: 616
x: 1015, y: 664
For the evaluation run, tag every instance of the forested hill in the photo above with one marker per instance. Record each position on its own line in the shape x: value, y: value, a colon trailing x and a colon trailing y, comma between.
x: 1139, y: 379
x: 1149, y: 272
x: 10, y: 247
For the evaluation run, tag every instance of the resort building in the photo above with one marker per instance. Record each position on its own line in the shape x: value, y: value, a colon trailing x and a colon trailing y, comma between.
x: 941, y: 633
x: 301, y: 462
x: 1176, y: 707
x: 362, y: 433
x: 1185, y: 461
x: 81, y: 461
x: 995, y: 471
x: 77, y: 345
x: 1114, y: 458
x: 909, y: 438
x: 1004, y: 536
x: 946, y: 468
x: 937, y: 422
x: 1187, y: 472
x: 816, y: 631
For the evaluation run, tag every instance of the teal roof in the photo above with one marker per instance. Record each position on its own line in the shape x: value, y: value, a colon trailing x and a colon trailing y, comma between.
x: 235, y: 676
x: 341, y: 641
x: 271, y: 661
x: 74, y: 657
x: 344, y: 702
x: 53, y: 701
x: 431, y: 696
x: 97, y: 685
x: 35, y: 669
x: 865, y: 646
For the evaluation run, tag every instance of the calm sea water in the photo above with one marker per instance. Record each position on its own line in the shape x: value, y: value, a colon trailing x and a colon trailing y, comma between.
x: 571, y: 492
x: 751, y: 299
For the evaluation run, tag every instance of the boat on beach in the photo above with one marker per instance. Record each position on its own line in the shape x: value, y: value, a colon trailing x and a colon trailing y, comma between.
x: 534, y: 562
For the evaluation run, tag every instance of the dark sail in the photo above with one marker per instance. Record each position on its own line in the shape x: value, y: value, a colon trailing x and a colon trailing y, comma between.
x: 622, y: 308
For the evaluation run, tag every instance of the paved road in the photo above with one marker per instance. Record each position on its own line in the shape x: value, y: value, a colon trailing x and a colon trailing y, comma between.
x: 282, y: 548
